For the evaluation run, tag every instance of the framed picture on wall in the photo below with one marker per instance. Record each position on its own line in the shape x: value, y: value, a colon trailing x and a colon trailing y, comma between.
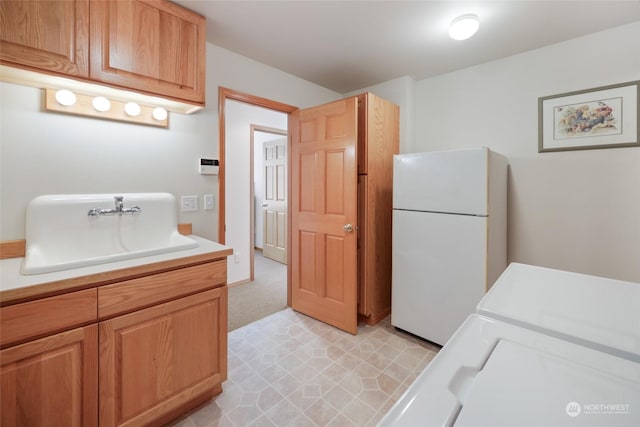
x: 602, y: 117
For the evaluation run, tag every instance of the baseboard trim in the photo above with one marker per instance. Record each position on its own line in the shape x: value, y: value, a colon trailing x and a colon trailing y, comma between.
x: 241, y: 282
x: 374, y: 318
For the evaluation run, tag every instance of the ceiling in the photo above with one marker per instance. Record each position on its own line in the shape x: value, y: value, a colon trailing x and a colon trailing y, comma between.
x: 348, y: 45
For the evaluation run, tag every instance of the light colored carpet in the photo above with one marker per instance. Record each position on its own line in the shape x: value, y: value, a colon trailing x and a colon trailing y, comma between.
x: 266, y: 295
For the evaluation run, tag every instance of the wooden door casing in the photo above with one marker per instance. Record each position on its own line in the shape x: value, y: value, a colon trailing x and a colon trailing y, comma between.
x: 52, y: 381
x: 154, y: 360
x: 323, y: 201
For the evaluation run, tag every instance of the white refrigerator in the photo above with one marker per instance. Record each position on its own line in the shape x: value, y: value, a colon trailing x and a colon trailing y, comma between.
x: 449, y: 237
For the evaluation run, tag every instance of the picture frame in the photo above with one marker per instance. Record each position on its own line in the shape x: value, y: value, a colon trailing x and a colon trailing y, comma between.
x: 601, y: 117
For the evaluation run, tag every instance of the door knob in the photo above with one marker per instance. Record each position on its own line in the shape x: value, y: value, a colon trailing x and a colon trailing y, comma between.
x: 348, y: 228
x: 264, y: 205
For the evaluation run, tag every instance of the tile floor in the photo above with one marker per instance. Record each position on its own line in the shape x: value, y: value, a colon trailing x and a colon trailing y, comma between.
x: 290, y: 370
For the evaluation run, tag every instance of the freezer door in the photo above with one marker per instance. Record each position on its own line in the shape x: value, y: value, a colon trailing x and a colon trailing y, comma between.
x: 439, y: 271
x: 442, y: 181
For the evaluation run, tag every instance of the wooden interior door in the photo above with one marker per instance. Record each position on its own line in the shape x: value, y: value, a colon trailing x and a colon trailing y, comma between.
x: 324, y: 213
x: 275, y: 200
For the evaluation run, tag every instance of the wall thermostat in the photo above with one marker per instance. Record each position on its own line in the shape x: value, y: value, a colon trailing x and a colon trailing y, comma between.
x: 208, y: 166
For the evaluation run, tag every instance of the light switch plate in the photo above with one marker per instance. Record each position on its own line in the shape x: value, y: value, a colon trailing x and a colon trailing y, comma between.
x: 189, y: 203
x: 208, y: 202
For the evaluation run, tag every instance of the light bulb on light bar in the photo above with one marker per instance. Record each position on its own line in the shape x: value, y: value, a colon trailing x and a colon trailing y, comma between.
x: 65, y: 97
x: 101, y: 104
x: 464, y: 27
x: 159, y: 113
x: 132, y: 109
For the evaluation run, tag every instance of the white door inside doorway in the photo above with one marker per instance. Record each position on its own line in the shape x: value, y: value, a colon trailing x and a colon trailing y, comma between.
x: 274, y: 204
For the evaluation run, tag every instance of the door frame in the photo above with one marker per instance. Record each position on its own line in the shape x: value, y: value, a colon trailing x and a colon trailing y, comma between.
x: 252, y: 216
x: 224, y: 94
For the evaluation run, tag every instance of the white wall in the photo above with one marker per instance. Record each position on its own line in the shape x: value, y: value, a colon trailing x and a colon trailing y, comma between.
x: 574, y: 210
x: 233, y: 71
x: 48, y: 153
x: 239, y: 117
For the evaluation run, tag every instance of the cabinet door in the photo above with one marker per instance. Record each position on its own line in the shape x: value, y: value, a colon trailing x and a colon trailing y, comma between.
x: 52, y: 381
x: 149, y: 45
x: 159, y: 359
x: 50, y: 36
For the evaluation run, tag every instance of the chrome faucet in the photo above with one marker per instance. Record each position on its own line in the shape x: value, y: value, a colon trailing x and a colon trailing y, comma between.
x: 119, y: 209
x: 119, y: 203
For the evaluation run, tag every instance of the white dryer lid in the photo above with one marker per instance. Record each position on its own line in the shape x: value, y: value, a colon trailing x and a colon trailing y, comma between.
x: 600, y: 313
x: 493, y: 373
x: 522, y: 386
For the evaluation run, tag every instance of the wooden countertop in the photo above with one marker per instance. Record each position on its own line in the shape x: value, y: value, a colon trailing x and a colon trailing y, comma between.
x: 16, y: 288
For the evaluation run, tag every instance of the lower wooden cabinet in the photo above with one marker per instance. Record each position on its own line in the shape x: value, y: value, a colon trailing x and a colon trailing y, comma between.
x: 140, y: 351
x: 156, y: 361
x: 51, y: 381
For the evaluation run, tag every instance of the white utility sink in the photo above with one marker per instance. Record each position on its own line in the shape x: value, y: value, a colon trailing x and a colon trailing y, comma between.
x: 78, y: 230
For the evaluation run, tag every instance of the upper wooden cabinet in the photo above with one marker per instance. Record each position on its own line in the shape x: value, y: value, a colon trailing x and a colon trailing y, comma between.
x: 150, y: 45
x: 46, y: 35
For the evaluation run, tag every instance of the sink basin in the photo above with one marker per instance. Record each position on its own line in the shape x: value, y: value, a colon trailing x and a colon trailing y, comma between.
x: 61, y: 235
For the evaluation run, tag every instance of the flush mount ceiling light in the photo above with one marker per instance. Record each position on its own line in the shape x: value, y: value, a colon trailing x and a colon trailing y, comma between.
x: 464, y: 27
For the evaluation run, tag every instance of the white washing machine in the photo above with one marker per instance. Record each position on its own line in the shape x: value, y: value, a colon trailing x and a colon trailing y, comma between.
x: 545, y: 348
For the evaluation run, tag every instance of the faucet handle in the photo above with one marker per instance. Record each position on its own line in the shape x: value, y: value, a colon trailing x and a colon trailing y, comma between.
x: 118, y: 198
